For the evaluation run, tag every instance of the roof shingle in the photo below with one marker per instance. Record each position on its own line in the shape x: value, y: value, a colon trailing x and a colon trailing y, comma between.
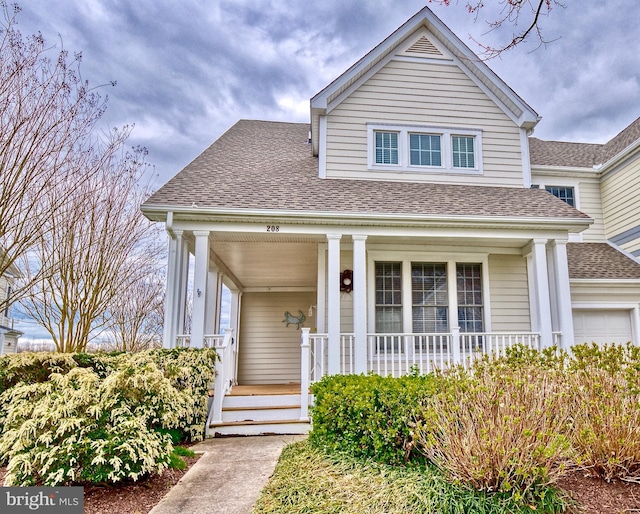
x: 268, y: 165
x: 583, y: 155
x: 600, y: 261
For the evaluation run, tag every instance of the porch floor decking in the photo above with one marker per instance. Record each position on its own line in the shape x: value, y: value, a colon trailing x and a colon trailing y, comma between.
x: 265, y: 389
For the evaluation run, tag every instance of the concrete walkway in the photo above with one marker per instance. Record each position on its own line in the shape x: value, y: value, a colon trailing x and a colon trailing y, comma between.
x: 228, y: 478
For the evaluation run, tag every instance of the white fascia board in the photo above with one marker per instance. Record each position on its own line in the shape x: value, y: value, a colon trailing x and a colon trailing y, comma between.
x: 526, y: 158
x: 606, y: 281
x: 327, y: 217
x: 563, y: 171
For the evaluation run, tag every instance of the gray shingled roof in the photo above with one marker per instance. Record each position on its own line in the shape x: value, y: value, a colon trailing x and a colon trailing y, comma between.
x: 600, y: 261
x: 587, y: 155
x: 268, y: 165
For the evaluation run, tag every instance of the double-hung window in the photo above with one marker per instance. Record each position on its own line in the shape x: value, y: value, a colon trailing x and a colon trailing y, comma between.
x: 470, y: 304
x: 430, y: 298
x: 386, y: 147
x: 424, y: 149
x: 463, y: 151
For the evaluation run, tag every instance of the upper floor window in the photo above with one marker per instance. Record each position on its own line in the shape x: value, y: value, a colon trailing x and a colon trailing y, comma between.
x: 386, y: 147
x: 463, y: 152
x: 424, y: 149
x: 566, y: 194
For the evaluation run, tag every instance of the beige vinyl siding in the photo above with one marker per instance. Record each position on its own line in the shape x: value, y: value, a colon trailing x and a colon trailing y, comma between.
x: 269, y: 352
x: 621, y: 201
x: 422, y: 93
x: 509, y: 293
x: 589, y: 201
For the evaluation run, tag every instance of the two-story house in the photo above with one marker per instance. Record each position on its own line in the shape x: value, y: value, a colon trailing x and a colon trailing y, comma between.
x: 414, y: 222
x: 8, y: 334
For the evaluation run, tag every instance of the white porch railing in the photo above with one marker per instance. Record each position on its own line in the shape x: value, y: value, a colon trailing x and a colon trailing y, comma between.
x: 400, y: 354
x: 225, y: 378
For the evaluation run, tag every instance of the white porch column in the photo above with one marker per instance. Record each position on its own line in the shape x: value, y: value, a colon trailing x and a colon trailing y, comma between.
x: 563, y: 292
x: 217, y: 327
x: 234, y: 324
x: 321, y: 298
x: 182, y: 264
x: 200, y: 283
x: 333, y: 303
x: 360, y: 303
x: 211, y: 313
x: 170, y: 303
x: 541, y: 284
x: 177, y: 262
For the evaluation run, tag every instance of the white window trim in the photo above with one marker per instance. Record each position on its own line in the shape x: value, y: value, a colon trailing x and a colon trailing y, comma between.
x: 406, y: 258
x: 446, y: 134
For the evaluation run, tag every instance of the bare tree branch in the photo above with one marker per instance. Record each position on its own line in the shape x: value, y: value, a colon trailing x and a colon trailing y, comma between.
x: 47, y: 119
x: 513, y: 13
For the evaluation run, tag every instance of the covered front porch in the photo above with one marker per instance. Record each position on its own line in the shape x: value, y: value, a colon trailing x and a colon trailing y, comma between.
x: 305, y: 302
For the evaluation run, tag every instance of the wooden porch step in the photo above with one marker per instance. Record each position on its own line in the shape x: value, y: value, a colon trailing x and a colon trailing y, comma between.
x: 262, y: 407
x: 284, y: 427
x: 251, y: 423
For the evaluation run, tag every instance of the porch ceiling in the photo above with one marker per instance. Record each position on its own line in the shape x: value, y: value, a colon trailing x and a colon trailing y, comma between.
x: 260, y: 264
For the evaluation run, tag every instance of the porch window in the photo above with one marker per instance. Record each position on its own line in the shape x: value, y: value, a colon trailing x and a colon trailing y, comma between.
x: 470, y: 304
x: 430, y: 307
x: 386, y: 147
x: 430, y: 298
x: 389, y: 302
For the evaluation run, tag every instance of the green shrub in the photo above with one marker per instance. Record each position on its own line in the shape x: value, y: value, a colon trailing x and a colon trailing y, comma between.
x: 370, y: 416
x: 500, y: 428
x: 86, y: 426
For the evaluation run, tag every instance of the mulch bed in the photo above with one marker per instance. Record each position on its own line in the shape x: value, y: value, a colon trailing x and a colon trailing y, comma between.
x: 599, y: 497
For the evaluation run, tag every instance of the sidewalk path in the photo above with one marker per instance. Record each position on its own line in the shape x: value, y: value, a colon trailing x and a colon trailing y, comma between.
x: 228, y: 478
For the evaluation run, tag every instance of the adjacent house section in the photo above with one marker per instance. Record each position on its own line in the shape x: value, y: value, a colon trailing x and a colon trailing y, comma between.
x: 413, y: 223
x: 8, y: 334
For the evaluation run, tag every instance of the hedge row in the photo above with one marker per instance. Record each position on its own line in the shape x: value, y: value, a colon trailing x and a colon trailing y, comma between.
x: 512, y: 424
x: 101, y: 417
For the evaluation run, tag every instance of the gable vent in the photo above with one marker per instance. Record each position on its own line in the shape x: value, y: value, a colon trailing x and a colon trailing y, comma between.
x: 423, y: 46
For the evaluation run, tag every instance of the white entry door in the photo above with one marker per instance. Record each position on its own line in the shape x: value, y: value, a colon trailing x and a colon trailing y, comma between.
x: 602, y: 326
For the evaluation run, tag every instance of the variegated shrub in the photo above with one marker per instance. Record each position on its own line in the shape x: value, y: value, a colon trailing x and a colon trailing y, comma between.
x: 83, y: 426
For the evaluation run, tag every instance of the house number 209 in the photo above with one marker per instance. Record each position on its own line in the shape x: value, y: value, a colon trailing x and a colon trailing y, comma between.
x: 273, y: 228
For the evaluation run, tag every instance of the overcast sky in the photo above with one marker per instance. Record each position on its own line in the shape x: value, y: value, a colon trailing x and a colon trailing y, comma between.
x: 188, y: 70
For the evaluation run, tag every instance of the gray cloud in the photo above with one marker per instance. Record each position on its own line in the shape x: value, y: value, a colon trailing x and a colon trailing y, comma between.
x: 187, y: 71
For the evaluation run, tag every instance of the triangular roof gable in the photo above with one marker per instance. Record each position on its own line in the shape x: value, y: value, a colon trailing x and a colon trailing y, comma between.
x: 504, y: 97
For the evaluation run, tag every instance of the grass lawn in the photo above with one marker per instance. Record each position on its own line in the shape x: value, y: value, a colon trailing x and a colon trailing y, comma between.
x: 308, y: 480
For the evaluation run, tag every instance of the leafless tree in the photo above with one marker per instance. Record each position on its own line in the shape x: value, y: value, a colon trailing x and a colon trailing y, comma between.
x: 91, y: 250
x: 523, y: 16
x: 47, y: 119
x: 136, y: 316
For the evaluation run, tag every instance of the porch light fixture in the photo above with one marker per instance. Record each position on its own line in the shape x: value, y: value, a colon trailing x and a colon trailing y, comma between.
x: 199, y: 293
x: 346, y: 281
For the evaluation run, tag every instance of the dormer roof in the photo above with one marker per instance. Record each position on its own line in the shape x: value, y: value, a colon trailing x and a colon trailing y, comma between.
x: 424, y: 35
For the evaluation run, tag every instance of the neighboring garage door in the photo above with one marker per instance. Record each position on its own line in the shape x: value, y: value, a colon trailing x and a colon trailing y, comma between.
x: 602, y: 326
